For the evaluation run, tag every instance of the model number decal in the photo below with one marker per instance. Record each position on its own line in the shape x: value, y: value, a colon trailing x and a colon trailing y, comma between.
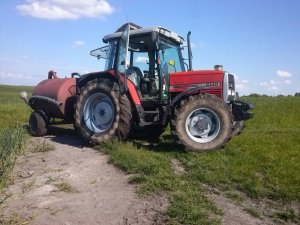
x: 209, y: 84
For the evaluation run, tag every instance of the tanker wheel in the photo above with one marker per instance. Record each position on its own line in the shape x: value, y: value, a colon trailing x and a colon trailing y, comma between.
x: 97, y: 115
x: 37, y: 124
x: 202, y: 122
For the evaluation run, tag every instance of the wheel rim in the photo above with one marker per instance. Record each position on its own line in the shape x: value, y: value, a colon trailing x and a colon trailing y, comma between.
x: 98, y: 113
x: 202, y: 125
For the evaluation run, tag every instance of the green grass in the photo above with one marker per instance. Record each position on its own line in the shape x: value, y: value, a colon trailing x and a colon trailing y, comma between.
x: 13, y: 110
x: 263, y: 163
x: 13, y: 113
x: 12, y: 141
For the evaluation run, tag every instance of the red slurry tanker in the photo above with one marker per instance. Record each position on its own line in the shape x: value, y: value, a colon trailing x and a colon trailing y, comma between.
x: 146, y: 85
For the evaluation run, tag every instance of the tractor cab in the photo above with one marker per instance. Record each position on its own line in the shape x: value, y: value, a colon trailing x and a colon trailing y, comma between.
x: 145, y: 56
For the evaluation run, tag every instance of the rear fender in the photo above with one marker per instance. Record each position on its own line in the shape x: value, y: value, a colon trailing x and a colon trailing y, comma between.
x: 110, y: 75
x: 178, y: 98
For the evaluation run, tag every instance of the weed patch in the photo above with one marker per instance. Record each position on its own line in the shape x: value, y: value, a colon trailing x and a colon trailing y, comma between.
x: 65, y: 187
x: 43, y: 146
x: 12, y: 143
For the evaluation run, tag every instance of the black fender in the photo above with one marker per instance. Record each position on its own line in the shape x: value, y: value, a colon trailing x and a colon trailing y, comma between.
x: 178, y: 98
x: 80, y: 82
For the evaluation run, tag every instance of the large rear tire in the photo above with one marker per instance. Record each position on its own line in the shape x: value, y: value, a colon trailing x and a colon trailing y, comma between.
x: 37, y: 124
x: 201, y: 123
x: 125, y: 117
x: 97, y: 113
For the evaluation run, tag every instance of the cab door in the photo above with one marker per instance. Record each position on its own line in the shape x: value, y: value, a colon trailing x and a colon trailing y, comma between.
x: 122, y: 59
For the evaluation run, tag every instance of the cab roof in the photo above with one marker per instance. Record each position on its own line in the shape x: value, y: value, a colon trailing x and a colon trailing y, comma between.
x: 137, y: 30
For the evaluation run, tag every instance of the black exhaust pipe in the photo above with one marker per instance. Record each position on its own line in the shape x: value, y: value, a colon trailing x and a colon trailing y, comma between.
x: 189, y: 50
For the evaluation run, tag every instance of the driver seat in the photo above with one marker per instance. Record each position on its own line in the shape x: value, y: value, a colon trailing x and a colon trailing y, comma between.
x: 135, y: 75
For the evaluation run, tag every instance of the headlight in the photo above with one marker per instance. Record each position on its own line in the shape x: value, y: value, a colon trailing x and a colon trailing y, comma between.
x: 228, y: 87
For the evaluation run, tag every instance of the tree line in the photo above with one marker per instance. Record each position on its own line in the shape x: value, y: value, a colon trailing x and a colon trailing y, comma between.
x: 297, y: 94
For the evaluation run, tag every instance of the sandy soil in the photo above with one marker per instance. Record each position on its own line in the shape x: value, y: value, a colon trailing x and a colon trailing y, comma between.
x: 73, y: 184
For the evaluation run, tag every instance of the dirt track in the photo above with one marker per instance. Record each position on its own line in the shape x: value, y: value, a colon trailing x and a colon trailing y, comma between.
x: 73, y: 184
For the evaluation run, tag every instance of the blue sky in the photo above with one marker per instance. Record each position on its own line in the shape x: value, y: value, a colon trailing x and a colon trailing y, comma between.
x: 258, y: 40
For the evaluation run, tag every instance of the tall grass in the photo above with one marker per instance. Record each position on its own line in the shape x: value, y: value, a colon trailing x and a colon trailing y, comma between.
x: 12, y: 141
x: 13, y: 113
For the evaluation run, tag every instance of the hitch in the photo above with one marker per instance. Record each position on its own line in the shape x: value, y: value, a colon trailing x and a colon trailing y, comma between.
x: 240, y: 110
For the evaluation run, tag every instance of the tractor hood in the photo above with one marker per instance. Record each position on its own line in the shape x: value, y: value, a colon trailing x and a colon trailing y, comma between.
x: 211, y: 79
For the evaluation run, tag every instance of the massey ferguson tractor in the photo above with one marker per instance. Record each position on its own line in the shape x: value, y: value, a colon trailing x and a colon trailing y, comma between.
x: 146, y: 85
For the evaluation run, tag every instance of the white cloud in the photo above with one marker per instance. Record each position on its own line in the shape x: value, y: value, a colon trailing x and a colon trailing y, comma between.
x: 288, y: 81
x: 273, y: 88
x: 78, y: 44
x: 263, y: 83
x: 65, y: 9
x: 9, y: 75
x: 241, y: 85
x: 141, y: 59
x: 271, y: 85
x: 282, y: 73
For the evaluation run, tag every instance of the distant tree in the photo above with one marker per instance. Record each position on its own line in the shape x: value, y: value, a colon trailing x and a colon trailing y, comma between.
x: 254, y: 95
x: 280, y: 95
x: 297, y: 94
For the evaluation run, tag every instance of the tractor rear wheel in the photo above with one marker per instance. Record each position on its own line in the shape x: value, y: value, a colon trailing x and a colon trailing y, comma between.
x: 125, y: 117
x: 97, y: 113
x: 202, y: 122
x: 37, y: 124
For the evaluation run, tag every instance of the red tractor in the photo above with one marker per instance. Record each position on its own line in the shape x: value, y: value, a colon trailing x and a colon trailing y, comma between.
x: 146, y: 85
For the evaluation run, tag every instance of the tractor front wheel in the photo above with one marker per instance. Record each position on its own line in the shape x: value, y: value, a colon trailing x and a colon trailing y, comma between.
x: 202, y: 122
x: 98, y: 111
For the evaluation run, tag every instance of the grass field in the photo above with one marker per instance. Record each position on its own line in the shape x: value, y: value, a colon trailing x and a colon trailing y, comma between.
x: 13, y: 114
x: 262, y: 163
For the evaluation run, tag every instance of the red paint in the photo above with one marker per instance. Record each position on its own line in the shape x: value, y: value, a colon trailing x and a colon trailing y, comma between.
x: 57, y: 89
x: 132, y: 91
x: 197, y: 77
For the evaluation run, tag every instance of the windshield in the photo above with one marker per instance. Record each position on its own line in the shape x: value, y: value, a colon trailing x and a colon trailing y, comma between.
x: 170, y: 56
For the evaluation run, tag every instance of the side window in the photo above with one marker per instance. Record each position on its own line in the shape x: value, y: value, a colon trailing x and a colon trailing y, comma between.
x: 141, y: 60
x: 123, y: 51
